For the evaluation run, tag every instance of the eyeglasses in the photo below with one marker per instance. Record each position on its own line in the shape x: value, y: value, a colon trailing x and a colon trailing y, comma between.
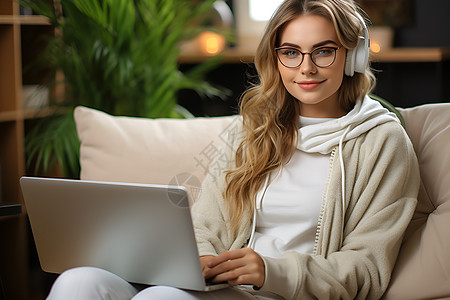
x: 292, y: 58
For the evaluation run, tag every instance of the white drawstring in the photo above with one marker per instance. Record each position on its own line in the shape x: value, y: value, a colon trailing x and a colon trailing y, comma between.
x: 252, y: 236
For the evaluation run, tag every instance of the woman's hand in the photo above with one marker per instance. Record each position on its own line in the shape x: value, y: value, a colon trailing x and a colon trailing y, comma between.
x: 243, y: 266
x: 204, y: 261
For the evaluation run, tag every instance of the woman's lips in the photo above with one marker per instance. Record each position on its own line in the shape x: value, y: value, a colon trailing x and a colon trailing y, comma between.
x: 309, y: 85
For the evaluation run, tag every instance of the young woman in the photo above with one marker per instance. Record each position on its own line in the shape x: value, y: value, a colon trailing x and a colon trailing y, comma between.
x: 314, y: 190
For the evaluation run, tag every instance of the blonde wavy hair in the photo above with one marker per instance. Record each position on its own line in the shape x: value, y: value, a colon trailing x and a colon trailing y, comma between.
x: 270, y: 113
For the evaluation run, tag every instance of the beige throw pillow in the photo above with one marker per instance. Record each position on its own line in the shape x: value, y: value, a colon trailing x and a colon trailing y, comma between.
x: 140, y: 150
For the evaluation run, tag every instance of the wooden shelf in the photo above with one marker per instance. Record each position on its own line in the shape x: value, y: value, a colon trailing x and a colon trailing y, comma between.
x: 24, y: 20
x: 237, y: 55
x: 8, y: 116
x: 7, y: 209
x: 15, y: 56
x: 21, y: 115
x: 412, y: 55
x: 229, y: 55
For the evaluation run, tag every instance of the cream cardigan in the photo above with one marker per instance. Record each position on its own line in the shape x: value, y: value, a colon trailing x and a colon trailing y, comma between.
x: 382, y: 182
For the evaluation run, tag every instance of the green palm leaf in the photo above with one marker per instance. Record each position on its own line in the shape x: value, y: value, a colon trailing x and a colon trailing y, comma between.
x: 119, y: 56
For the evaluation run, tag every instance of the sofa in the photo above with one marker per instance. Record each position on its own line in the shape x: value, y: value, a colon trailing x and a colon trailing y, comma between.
x: 174, y: 151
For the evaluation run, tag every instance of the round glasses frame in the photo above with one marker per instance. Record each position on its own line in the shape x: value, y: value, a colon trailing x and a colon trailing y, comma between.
x: 311, y: 54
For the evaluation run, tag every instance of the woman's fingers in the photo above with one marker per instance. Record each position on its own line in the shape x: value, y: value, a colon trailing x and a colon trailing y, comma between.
x: 243, y: 266
x: 225, y: 257
x: 242, y: 275
x: 204, y: 262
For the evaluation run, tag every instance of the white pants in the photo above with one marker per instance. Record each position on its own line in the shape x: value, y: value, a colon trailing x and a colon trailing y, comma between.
x: 87, y: 283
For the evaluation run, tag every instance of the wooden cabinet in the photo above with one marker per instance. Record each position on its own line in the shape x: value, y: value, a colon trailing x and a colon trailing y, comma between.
x: 18, y: 40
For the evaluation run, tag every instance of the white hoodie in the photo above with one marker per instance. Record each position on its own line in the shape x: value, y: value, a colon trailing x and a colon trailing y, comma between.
x: 324, y: 137
x: 383, y: 178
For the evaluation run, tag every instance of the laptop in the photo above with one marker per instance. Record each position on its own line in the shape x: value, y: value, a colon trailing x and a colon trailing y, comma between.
x: 140, y: 232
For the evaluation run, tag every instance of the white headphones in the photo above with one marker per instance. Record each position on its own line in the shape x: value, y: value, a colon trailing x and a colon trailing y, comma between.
x: 358, y: 57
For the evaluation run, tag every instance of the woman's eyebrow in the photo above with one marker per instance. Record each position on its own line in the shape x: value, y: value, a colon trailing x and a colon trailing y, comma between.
x: 286, y: 44
x: 290, y: 45
x: 325, y: 43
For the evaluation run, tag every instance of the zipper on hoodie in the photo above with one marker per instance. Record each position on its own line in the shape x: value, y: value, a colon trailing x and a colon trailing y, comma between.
x: 324, y: 197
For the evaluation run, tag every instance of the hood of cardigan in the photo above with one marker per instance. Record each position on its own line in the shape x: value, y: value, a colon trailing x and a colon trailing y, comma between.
x: 323, y: 137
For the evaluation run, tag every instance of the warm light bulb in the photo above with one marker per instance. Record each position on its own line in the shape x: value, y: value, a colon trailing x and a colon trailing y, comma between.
x: 375, y: 47
x: 211, y: 43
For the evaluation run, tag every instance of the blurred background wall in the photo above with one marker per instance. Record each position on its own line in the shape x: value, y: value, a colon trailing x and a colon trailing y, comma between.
x: 416, y: 24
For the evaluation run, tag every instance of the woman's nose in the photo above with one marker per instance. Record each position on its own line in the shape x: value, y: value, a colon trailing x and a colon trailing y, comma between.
x: 307, y: 66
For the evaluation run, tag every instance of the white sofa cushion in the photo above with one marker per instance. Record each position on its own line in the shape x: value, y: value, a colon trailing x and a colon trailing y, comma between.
x: 422, y: 270
x: 158, y: 151
x: 140, y: 150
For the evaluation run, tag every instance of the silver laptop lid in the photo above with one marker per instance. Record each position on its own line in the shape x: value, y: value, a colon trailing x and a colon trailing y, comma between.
x: 143, y: 233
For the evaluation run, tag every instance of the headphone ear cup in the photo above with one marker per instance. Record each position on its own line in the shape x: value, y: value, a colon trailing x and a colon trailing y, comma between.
x: 362, y: 55
x: 356, y: 60
x: 350, y: 63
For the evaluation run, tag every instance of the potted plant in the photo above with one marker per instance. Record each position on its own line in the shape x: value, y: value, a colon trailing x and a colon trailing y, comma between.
x: 119, y: 56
